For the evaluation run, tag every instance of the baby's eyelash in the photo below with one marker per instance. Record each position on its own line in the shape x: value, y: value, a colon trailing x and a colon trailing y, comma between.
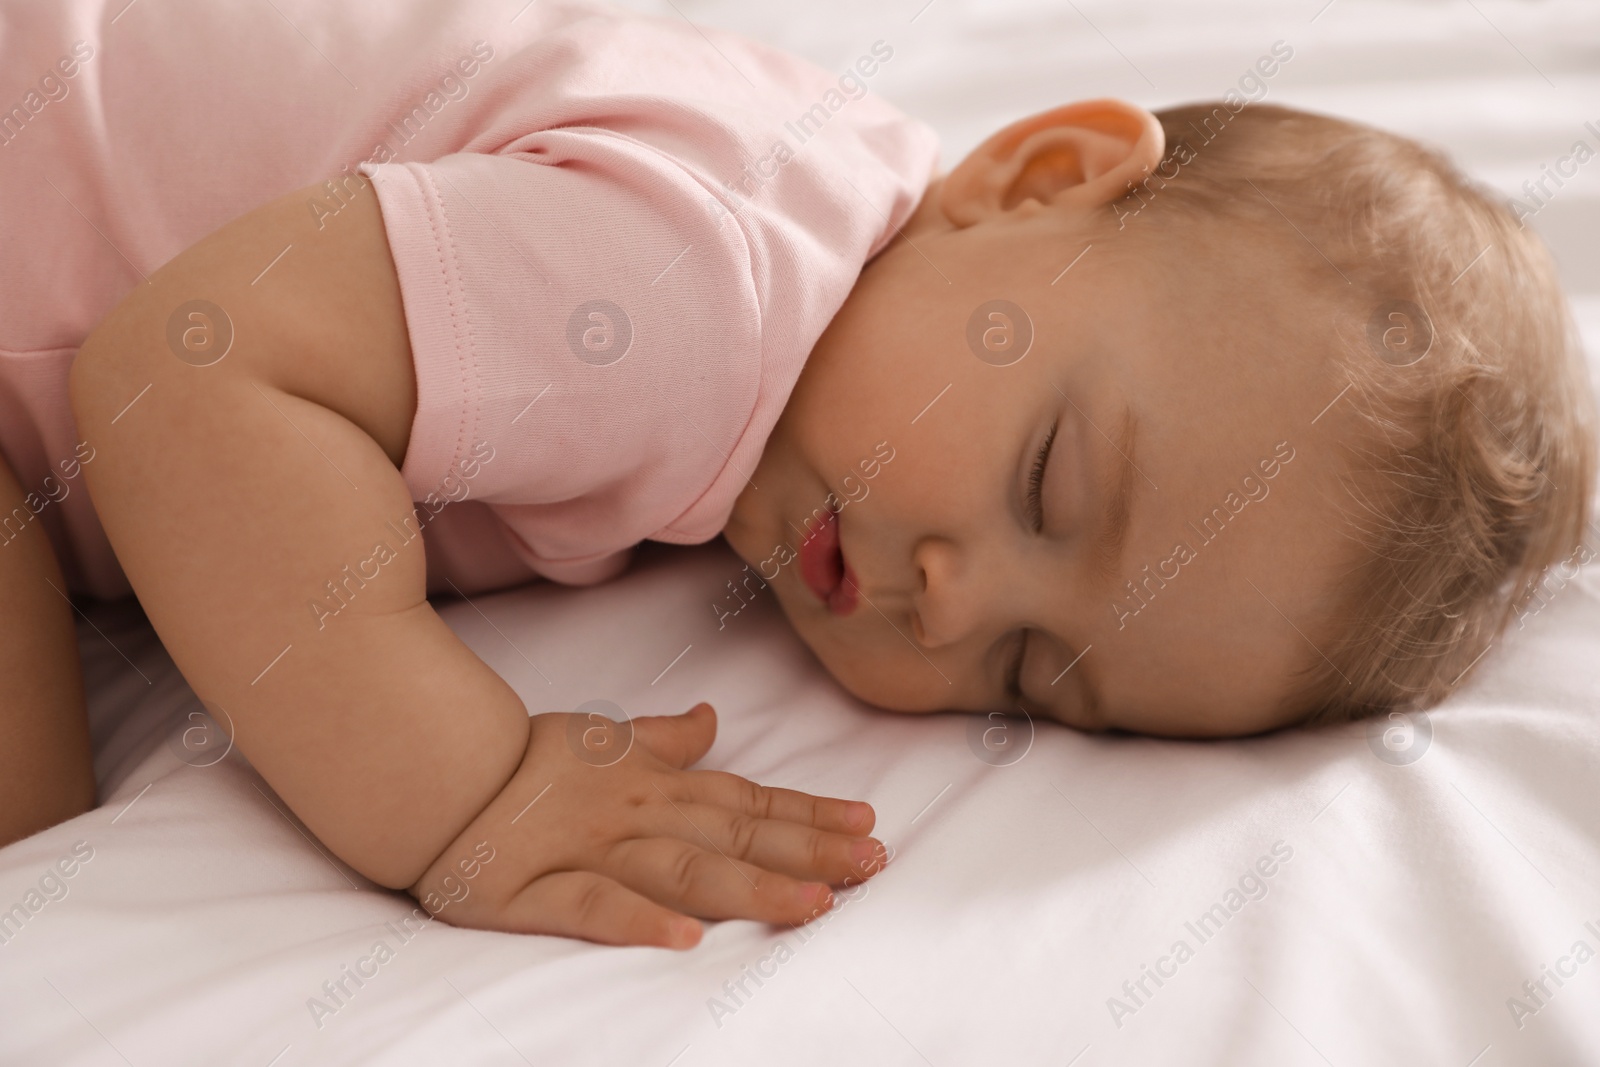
x: 1035, y: 502
x: 1014, y: 670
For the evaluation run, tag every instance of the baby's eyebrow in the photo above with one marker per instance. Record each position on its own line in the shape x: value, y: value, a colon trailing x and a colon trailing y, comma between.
x: 1118, y: 494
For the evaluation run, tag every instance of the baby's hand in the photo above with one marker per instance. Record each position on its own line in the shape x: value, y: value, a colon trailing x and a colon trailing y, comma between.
x: 607, y: 837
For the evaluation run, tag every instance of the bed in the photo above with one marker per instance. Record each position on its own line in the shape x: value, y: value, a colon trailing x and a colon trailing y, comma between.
x: 1410, y: 891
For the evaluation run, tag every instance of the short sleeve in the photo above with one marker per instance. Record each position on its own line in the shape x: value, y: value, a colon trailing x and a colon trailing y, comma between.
x: 617, y: 322
x: 588, y: 325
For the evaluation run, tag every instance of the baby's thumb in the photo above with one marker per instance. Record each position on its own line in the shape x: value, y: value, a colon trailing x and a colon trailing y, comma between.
x: 681, y: 740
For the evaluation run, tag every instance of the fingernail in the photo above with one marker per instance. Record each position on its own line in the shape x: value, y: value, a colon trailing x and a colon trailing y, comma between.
x: 857, y: 815
x: 867, y: 852
x: 815, y: 893
x: 685, y: 932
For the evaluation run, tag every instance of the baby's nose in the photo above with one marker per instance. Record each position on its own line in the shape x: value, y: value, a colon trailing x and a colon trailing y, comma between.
x: 948, y: 602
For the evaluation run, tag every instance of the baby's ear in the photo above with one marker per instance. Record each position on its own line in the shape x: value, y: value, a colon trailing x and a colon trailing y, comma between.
x: 1078, y: 158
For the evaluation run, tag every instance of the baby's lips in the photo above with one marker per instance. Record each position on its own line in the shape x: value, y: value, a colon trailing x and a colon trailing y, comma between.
x: 842, y: 601
x: 819, y: 556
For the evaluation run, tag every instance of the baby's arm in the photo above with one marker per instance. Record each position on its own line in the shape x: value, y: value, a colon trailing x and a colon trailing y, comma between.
x: 233, y: 491
x: 46, y: 770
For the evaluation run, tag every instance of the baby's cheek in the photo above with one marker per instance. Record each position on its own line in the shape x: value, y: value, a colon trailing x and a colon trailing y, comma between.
x: 867, y: 657
x: 885, y: 677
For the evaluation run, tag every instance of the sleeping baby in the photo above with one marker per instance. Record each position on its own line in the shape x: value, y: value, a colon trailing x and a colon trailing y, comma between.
x: 1195, y: 423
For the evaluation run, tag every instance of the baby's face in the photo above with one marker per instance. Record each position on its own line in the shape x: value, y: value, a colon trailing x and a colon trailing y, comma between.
x: 1158, y: 429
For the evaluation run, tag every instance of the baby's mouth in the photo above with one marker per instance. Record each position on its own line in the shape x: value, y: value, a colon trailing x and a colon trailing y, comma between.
x: 823, y: 567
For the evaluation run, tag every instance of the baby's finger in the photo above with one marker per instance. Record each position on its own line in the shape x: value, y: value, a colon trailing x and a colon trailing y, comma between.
x: 790, y: 848
x: 701, y: 882
x: 766, y: 802
x: 595, y: 908
x: 679, y: 740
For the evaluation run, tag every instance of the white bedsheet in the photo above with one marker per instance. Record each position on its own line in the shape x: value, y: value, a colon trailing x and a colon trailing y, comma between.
x: 1406, y: 906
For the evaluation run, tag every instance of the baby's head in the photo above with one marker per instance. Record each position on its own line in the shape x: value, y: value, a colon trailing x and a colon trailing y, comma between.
x: 1193, y: 424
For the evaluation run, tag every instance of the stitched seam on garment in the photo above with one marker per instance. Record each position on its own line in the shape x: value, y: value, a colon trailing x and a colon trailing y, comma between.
x: 762, y: 344
x: 761, y: 368
x: 461, y: 324
x: 4, y: 351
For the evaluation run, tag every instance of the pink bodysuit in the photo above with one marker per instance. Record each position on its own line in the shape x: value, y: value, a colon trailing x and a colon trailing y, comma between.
x: 617, y: 239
